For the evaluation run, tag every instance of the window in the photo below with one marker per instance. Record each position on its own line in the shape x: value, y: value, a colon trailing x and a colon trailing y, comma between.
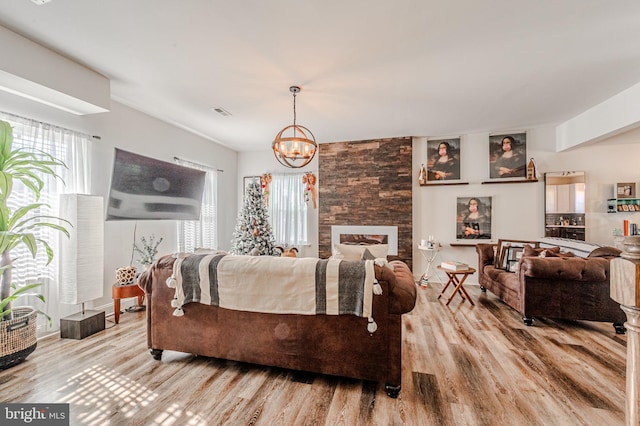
x: 72, y: 148
x: 192, y: 234
x: 288, y: 209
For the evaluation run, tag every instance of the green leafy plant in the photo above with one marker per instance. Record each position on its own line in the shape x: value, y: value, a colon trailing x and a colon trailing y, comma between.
x: 149, y: 250
x: 16, y: 225
x: 5, y: 304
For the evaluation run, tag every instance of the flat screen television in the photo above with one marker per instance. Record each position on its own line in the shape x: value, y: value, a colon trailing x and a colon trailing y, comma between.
x: 144, y: 188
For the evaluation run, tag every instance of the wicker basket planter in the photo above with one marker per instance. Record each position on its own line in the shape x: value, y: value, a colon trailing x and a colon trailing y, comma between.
x: 18, y: 337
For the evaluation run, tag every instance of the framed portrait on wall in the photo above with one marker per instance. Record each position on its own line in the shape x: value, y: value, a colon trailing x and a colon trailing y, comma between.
x: 443, y: 159
x: 508, y: 156
x: 473, y: 218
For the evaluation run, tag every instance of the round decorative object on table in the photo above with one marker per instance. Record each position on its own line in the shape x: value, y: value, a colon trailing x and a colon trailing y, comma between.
x: 631, y: 248
x: 126, y: 275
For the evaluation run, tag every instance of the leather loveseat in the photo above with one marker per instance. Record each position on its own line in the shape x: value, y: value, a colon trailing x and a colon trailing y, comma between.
x: 338, y: 345
x: 559, y: 287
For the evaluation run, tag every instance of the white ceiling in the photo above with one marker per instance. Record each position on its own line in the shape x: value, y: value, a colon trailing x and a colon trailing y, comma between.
x: 367, y: 68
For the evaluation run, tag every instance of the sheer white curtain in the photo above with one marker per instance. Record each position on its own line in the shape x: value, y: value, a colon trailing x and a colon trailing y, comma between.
x: 288, y: 210
x: 203, y: 233
x: 72, y: 148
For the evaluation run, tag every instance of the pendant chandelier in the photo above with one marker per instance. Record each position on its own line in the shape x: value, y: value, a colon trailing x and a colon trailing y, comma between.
x: 294, y: 146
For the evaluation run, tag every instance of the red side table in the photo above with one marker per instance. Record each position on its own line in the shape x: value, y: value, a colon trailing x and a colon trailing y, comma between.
x: 124, y: 291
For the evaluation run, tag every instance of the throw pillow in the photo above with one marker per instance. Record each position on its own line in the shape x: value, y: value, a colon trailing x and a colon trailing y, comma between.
x: 354, y: 252
x: 367, y: 255
x: 548, y: 253
x: 605, y: 252
x: 536, y: 252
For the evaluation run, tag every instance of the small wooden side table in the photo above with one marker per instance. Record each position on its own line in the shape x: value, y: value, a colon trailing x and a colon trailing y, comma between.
x: 457, y: 282
x: 124, y: 291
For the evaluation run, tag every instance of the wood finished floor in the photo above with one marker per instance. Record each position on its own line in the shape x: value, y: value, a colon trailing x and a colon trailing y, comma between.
x: 462, y: 365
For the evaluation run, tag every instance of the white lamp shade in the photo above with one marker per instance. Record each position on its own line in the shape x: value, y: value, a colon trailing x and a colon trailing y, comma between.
x: 82, y: 255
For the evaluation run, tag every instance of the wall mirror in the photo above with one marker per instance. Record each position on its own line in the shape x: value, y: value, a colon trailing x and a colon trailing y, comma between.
x: 565, y: 205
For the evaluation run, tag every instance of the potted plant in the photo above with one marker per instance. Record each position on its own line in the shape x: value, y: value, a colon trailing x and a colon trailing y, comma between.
x: 16, y: 227
x: 148, y: 252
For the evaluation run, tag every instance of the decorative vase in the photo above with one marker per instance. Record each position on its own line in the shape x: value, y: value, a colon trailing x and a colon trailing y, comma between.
x: 18, y: 336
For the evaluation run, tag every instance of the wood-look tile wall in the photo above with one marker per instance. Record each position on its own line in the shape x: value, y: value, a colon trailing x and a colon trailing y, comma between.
x: 366, y: 183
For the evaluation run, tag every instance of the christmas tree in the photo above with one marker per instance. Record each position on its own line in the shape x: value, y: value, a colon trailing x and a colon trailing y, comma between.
x: 252, y: 234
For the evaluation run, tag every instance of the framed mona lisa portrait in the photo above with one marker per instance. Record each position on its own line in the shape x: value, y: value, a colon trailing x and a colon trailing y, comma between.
x: 473, y: 218
x: 443, y: 160
x: 508, y: 156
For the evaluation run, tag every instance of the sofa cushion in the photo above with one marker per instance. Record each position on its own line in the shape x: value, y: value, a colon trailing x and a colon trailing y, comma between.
x: 505, y: 278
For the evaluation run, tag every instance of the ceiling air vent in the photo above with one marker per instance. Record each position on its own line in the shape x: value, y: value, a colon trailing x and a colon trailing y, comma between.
x: 40, y: 2
x: 223, y: 112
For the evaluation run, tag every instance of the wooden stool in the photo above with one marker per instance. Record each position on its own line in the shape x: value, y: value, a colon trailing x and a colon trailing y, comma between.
x: 457, y: 283
x: 124, y: 291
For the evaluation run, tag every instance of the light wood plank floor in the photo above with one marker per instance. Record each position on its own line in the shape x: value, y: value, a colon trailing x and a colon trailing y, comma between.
x: 462, y: 365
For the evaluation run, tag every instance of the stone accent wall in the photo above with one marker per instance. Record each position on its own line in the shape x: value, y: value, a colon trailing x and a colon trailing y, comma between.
x: 366, y: 183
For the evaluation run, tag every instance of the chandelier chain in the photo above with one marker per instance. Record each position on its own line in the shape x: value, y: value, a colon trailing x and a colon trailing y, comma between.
x: 294, y: 108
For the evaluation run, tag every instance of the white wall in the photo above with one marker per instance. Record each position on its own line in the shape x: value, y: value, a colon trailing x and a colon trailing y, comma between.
x: 133, y: 131
x: 612, y: 117
x: 255, y: 163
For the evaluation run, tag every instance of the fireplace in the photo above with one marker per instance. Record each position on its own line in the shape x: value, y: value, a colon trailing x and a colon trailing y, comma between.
x: 366, y: 234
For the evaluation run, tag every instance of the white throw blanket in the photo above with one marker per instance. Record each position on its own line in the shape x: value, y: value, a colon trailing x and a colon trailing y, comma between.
x: 283, y: 285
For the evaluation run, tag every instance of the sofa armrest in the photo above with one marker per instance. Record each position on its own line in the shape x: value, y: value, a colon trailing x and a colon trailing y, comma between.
x: 145, y: 280
x: 565, y: 269
x: 485, y: 255
x: 402, y: 287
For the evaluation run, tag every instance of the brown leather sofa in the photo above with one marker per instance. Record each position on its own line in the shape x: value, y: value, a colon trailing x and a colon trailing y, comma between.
x: 573, y: 288
x: 329, y: 344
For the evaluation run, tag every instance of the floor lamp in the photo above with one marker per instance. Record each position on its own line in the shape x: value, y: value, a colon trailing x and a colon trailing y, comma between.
x: 82, y: 263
